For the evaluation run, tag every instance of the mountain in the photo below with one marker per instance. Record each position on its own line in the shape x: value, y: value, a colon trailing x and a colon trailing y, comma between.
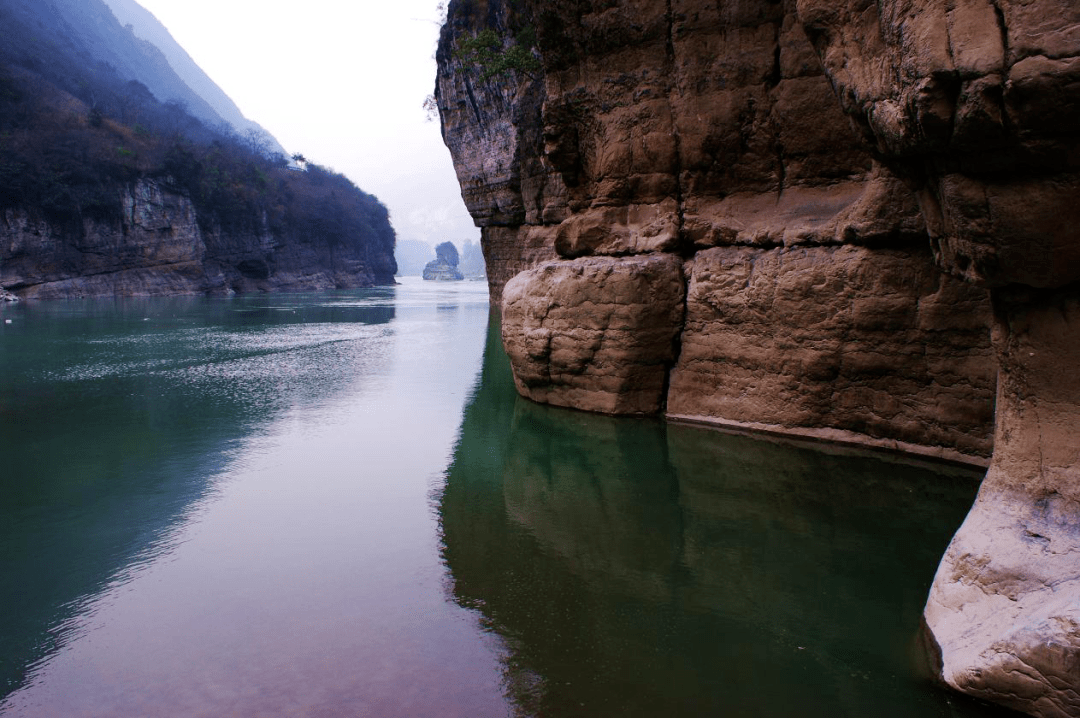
x: 146, y: 26
x: 117, y: 179
x: 68, y: 39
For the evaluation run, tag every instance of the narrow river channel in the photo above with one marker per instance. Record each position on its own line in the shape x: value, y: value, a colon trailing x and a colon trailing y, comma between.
x: 336, y: 505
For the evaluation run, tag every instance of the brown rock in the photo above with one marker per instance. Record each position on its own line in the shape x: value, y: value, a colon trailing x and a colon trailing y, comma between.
x: 779, y: 148
x: 841, y: 343
x: 983, y: 113
x: 630, y: 229
x: 674, y: 130
x: 509, y: 250
x: 595, y: 333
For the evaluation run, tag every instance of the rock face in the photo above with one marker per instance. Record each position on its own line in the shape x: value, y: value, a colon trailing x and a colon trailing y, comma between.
x: 441, y: 271
x: 839, y: 342
x: 858, y: 193
x: 158, y: 248
x: 711, y: 135
x: 444, y: 266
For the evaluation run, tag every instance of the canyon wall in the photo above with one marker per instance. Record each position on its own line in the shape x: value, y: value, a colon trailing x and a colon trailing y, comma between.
x: 845, y: 220
x: 157, y: 247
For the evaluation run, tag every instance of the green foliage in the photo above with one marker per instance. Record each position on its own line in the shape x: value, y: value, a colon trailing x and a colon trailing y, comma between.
x: 489, y: 53
x: 76, y: 134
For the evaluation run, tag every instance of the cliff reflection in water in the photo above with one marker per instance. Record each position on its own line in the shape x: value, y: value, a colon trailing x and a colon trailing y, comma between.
x: 637, y: 568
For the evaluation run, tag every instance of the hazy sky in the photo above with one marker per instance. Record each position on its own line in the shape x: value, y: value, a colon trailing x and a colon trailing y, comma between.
x: 343, y: 83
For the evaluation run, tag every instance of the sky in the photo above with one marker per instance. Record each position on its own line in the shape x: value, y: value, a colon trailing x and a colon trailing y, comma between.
x: 343, y: 83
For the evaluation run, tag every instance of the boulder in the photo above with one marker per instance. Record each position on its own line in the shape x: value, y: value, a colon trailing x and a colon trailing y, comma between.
x: 595, y: 333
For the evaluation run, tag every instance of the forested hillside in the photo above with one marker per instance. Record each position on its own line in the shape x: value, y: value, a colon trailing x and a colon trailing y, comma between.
x: 109, y: 178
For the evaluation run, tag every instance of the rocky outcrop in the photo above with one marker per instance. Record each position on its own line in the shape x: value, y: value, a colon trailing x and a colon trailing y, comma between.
x: 441, y: 271
x: 445, y: 265
x: 858, y: 192
x: 156, y: 247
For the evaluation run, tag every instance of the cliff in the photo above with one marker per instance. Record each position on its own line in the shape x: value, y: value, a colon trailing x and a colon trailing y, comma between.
x: 157, y: 247
x: 827, y: 219
x: 697, y: 162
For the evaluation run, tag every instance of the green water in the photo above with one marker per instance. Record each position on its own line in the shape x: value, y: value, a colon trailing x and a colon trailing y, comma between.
x: 336, y: 505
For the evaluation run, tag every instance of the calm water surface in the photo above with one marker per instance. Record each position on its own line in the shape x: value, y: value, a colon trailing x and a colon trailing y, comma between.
x: 336, y: 505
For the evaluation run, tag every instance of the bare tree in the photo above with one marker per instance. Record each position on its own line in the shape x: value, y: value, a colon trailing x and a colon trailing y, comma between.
x: 257, y: 141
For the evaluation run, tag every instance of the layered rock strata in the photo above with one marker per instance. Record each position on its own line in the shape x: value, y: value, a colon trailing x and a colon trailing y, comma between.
x: 839, y: 342
x: 157, y: 247
x: 711, y: 136
x: 845, y: 184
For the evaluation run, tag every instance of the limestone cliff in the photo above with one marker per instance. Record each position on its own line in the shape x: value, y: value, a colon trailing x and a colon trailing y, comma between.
x: 807, y: 300
x: 806, y: 218
x: 157, y: 247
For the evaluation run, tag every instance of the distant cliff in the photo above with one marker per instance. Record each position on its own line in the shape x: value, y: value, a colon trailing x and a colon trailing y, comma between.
x: 157, y: 246
x: 849, y: 220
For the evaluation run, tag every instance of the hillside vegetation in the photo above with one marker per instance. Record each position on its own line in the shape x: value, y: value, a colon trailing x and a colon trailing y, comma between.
x: 74, y: 131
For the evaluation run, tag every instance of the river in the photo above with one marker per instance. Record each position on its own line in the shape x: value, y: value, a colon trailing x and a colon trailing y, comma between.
x: 336, y: 505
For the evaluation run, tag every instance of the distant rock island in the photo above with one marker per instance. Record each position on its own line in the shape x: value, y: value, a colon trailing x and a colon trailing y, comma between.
x: 444, y: 267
